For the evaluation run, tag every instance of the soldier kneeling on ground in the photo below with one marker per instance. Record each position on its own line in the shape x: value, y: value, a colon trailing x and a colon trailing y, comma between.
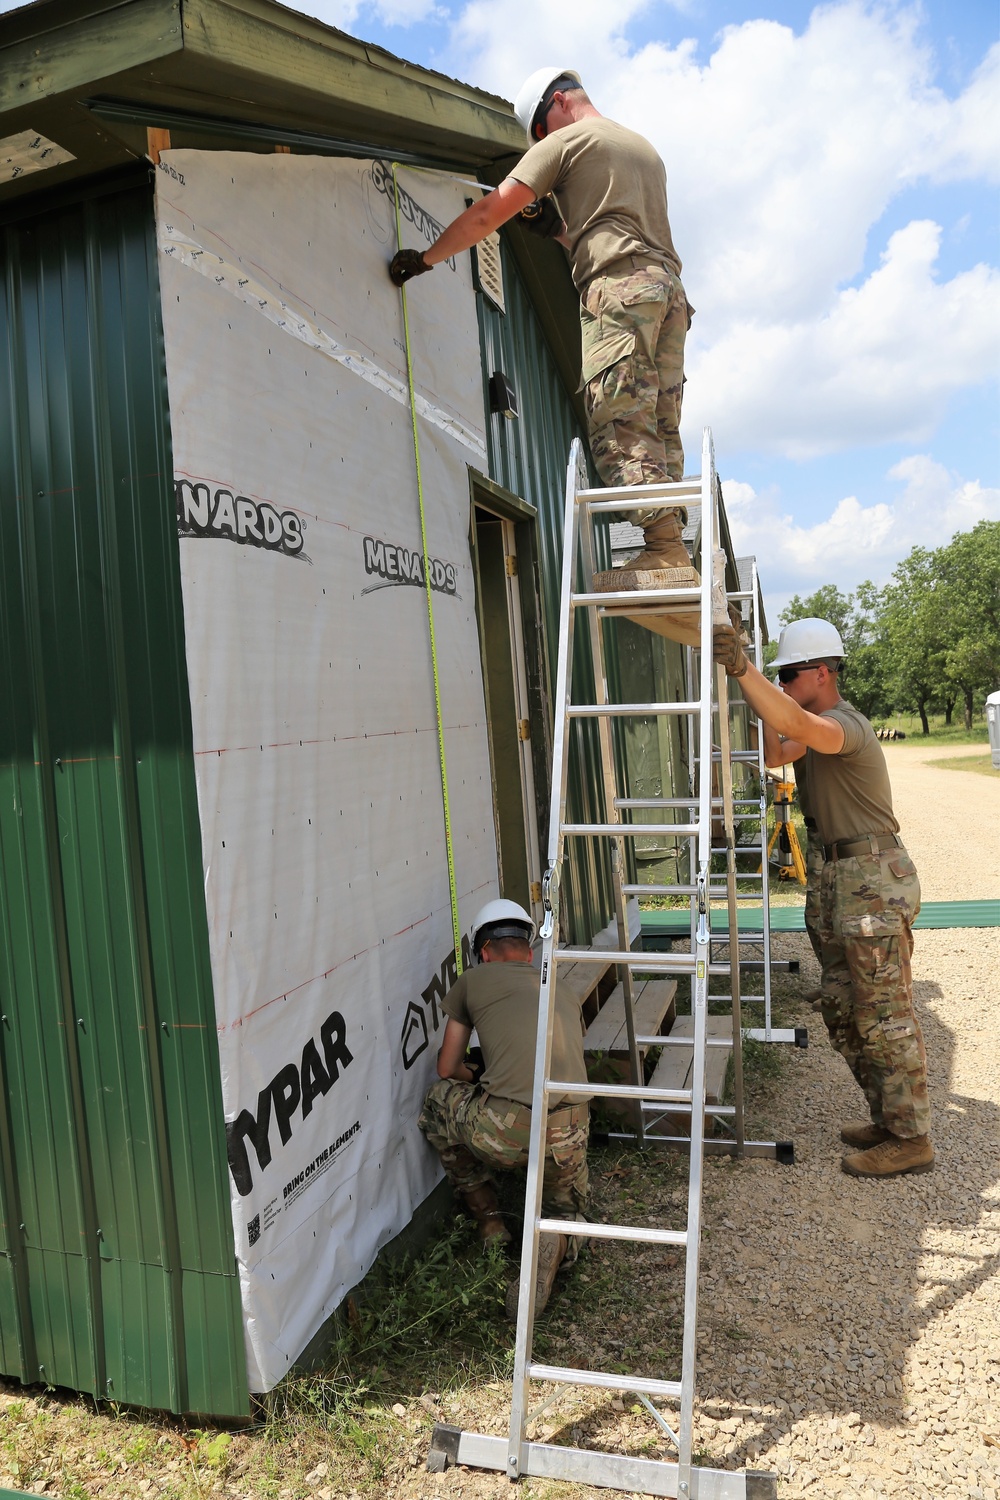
x: 478, y: 1117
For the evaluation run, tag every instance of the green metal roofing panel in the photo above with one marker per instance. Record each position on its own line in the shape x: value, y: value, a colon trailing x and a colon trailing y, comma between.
x: 117, y: 1274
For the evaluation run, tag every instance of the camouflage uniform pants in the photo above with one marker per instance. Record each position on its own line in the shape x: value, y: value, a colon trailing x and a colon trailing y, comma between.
x: 814, y: 870
x: 475, y: 1133
x: 867, y: 907
x: 633, y: 326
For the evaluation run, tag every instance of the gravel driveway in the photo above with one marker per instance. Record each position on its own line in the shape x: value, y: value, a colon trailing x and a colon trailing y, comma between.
x: 871, y: 1311
x: 850, y: 1329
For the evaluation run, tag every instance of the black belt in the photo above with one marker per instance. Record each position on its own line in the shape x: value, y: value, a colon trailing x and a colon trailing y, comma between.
x: 871, y: 843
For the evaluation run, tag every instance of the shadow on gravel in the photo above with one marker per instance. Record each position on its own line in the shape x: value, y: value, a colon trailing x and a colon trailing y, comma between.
x: 903, y: 1252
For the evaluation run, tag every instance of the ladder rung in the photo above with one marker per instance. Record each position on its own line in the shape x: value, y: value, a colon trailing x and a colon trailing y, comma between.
x: 627, y: 710
x: 638, y: 496
x: 640, y: 598
x: 738, y: 755
x: 649, y: 804
x: 605, y: 1382
x: 632, y: 1232
x: 684, y: 1041
x: 685, y: 1109
x: 715, y: 893
x: 620, y: 1091
x: 646, y: 963
x: 630, y: 830
x: 659, y: 890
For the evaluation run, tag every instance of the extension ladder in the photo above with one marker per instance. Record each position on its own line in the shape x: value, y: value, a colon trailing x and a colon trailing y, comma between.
x: 649, y: 1104
x: 755, y: 849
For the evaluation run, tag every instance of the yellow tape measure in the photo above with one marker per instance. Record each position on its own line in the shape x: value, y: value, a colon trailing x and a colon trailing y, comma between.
x: 453, y: 892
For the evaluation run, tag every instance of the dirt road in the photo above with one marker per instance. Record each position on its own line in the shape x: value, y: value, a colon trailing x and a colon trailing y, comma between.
x: 950, y: 820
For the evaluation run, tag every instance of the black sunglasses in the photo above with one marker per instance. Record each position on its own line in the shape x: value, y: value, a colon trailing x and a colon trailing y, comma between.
x: 789, y: 674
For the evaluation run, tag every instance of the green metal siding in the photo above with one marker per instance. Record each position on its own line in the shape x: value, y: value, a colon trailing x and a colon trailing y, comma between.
x: 117, y: 1270
x: 528, y: 455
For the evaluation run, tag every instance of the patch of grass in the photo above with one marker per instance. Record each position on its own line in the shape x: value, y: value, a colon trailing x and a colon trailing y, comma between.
x: 940, y: 732
x: 763, y: 1064
x: 434, y: 1322
x: 412, y: 1316
x: 981, y: 764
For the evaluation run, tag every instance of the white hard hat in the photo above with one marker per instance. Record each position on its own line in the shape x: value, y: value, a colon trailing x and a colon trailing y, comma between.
x: 807, y: 640
x: 504, y: 919
x: 532, y: 92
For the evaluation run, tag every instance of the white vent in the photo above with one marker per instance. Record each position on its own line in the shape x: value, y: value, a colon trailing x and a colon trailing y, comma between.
x: 489, y: 272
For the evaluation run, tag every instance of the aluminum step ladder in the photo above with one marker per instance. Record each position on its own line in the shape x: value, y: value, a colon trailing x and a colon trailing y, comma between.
x: 517, y: 1455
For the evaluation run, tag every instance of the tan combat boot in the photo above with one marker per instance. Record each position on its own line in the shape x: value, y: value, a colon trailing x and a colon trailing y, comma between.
x: 893, y: 1157
x: 482, y: 1205
x: 864, y: 1133
x: 551, y: 1252
x: 663, y: 563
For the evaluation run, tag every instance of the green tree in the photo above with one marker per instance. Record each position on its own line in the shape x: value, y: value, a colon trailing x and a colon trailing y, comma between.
x: 970, y: 571
x: 827, y: 603
x: 914, y: 619
x: 857, y: 618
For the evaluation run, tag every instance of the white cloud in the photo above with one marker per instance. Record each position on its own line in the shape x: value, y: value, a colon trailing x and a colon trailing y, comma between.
x: 855, y: 541
x: 783, y: 152
x: 877, y: 366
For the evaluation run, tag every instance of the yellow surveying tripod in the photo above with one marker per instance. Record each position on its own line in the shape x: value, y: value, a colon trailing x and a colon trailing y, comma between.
x: 791, y: 865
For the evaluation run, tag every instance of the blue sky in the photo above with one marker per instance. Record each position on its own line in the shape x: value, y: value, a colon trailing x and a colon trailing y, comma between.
x: 833, y: 175
x: 833, y: 194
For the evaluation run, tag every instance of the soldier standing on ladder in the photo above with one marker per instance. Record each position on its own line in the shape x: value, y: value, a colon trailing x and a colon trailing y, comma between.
x: 869, y: 891
x: 611, y: 216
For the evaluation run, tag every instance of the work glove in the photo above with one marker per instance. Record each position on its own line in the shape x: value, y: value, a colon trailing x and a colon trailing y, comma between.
x: 542, y: 218
x: 406, y: 264
x: 727, y: 650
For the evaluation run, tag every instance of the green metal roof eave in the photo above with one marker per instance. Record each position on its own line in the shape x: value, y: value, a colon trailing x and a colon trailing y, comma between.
x: 251, y: 59
x: 59, y: 46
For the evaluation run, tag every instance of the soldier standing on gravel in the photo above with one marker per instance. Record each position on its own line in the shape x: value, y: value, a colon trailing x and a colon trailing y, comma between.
x: 478, y: 1117
x: 869, y: 891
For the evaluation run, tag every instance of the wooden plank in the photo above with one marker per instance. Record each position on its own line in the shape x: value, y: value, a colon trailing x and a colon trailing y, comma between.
x: 581, y: 979
x: 673, y: 1071
x: 608, y: 1034
x: 678, y: 622
x: 157, y: 140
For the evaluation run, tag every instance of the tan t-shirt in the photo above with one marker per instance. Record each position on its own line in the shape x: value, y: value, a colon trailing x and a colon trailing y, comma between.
x: 611, y: 188
x: 500, y: 1001
x: 849, y: 793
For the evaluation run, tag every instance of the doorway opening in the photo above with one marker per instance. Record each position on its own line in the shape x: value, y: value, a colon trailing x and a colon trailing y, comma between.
x: 503, y: 537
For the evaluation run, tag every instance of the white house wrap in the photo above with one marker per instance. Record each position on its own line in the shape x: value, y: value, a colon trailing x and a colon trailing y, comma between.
x: 311, y: 690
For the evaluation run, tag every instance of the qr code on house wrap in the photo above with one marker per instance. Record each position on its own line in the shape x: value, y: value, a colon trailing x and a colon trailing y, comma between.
x: 253, y: 1229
